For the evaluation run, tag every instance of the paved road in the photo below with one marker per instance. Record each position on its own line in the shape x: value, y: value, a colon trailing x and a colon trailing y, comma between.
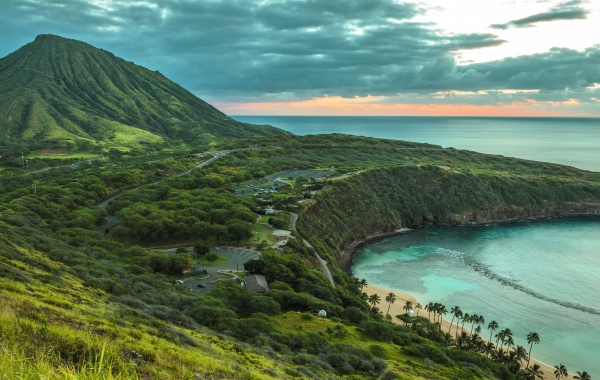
x: 112, y: 221
x: 293, y: 220
x: 236, y: 256
x: 324, y: 268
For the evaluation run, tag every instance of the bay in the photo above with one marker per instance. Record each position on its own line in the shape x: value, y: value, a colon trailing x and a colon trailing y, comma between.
x: 531, y: 276
x: 568, y: 141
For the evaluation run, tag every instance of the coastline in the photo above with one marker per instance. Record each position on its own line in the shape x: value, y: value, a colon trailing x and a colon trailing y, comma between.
x: 345, y: 255
x: 397, y: 309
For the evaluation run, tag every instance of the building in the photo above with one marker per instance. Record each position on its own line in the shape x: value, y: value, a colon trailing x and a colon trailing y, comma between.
x: 256, y: 283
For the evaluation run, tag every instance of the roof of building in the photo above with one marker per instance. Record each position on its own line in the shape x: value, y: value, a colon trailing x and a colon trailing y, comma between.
x: 256, y: 283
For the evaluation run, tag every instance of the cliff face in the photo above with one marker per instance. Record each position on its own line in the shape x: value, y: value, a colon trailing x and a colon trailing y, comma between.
x: 508, y: 213
x: 382, y: 202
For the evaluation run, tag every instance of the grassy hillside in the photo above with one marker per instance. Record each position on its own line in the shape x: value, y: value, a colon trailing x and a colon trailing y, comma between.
x: 76, y: 302
x: 58, y: 92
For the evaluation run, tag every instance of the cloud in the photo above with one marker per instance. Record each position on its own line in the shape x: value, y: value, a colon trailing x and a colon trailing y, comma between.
x: 564, y: 11
x: 241, y: 51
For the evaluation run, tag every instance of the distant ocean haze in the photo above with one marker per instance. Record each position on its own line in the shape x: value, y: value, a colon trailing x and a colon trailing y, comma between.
x: 568, y: 141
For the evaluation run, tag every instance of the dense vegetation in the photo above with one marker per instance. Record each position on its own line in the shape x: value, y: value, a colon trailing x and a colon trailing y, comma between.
x: 76, y: 300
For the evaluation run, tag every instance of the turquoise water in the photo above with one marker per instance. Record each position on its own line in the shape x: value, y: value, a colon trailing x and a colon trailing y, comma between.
x: 568, y: 141
x: 539, y: 276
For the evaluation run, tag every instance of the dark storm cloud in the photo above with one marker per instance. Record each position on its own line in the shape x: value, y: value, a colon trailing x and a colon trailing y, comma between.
x: 558, y: 69
x: 565, y: 11
x: 231, y: 50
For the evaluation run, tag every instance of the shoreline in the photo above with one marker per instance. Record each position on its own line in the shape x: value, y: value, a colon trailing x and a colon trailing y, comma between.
x: 346, y: 254
x: 397, y: 309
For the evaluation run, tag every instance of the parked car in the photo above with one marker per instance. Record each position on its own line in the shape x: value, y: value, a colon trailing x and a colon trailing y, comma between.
x: 201, y: 286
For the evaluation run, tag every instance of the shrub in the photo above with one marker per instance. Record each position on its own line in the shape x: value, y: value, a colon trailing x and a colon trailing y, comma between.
x: 212, y: 257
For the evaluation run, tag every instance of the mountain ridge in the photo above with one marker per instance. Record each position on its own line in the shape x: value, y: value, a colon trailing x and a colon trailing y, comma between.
x: 62, y: 92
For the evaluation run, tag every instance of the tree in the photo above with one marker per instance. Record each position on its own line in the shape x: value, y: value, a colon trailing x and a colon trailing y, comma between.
x: 535, y: 372
x: 407, y: 306
x: 429, y: 309
x: 418, y: 307
x: 532, y: 338
x: 239, y: 230
x: 582, y: 376
x: 466, y: 318
x: 390, y: 299
x: 362, y: 283
x: 560, y: 371
x: 441, y: 312
x: 179, y: 263
x: 474, y: 320
x: 201, y: 249
x: 454, y: 311
x: 493, y: 325
x: 374, y: 300
x: 521, y: 353
x: 254, y: 265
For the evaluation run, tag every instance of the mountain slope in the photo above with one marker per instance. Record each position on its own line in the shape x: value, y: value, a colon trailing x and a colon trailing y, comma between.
x: 57, y: 91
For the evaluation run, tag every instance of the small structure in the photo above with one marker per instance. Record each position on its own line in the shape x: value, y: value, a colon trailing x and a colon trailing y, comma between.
x: 256, y: 283
x: 322, y: 314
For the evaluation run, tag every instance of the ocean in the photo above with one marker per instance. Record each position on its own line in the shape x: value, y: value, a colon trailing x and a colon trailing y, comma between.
x: 531, y: 276
x: 569, y: 141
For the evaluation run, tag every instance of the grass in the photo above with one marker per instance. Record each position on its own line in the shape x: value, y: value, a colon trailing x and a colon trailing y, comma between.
x: 262, y: 231
x: 71, y: 331
x: 64, y: 155
x: 219, y: 261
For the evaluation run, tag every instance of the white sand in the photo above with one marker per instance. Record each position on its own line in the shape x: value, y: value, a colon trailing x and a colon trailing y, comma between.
x: 397, y: 308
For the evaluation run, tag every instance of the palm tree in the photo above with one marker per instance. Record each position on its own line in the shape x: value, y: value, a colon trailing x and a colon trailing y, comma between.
x: 362, y: 283
x: 474, y: 320
x: 429, y: 308
x: 407, y: 306
x: 493, y: 325
x: 458, y: 318
x: 521, y: 353
x: 560, y: 371
x: 509, y: 342
x: 507, y: 334
x: 500, y: 337
x: 532, y: 338
x: 390, y: 299
x: 582, y: 376
x: 435, y: 308
x: 441, y: 312
x: 454, y: 311
x: 418, y: 307
x: 535, y: 371
x: 480, y: 321
x: 465, y: 318
x: 374, y: 300
x: 489, y: 349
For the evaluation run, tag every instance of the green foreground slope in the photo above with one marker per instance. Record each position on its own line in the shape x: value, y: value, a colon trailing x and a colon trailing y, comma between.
x: 78, y: 303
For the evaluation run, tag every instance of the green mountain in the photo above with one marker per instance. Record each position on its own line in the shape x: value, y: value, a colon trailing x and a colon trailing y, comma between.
x: 58, y: 92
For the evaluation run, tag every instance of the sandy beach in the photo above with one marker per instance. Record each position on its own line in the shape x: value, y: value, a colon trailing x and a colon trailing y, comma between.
x: 397, y: 308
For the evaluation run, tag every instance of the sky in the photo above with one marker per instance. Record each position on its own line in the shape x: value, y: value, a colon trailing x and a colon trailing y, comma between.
x: 345, y: 57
